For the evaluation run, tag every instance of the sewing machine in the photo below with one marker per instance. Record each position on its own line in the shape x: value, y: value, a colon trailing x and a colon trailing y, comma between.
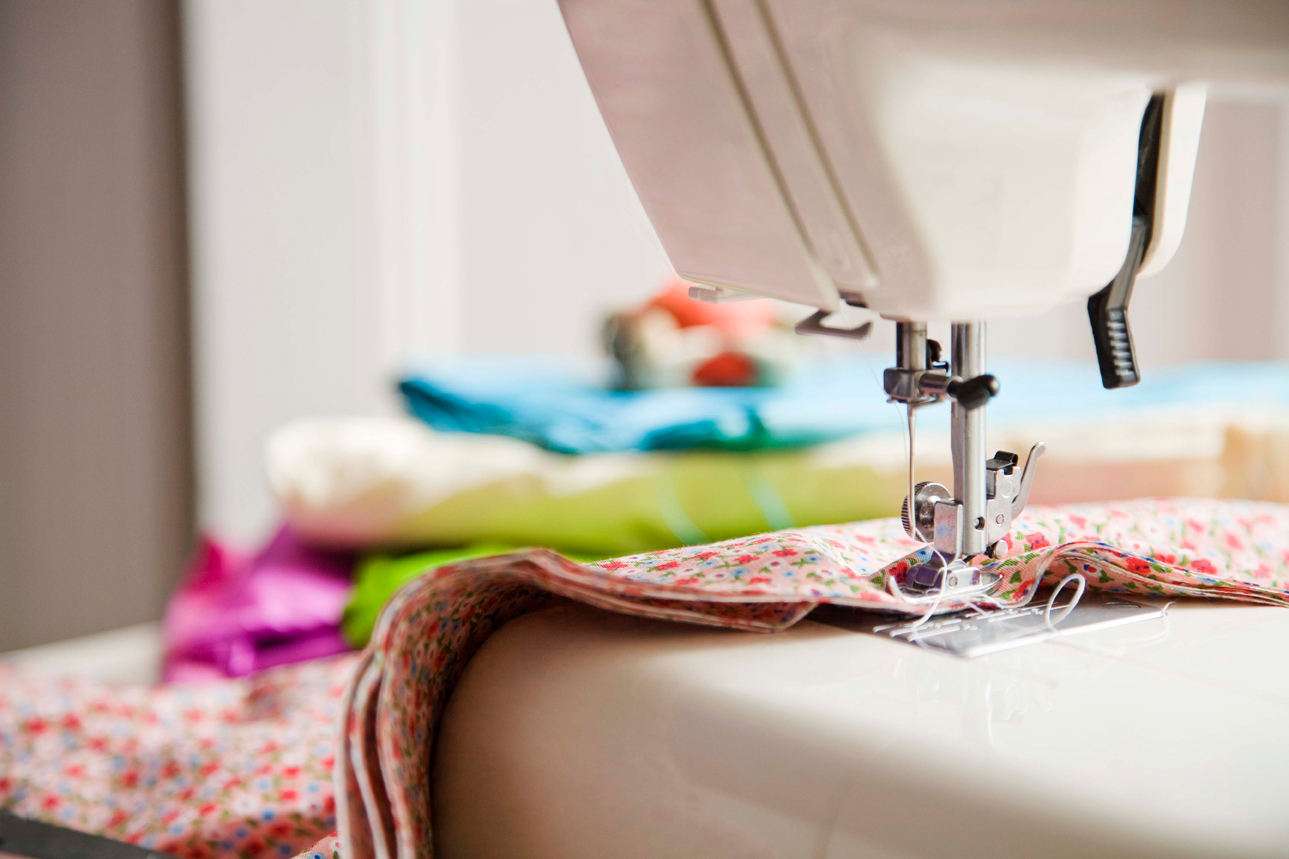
x: 931, y: 161
x: 937, y: 161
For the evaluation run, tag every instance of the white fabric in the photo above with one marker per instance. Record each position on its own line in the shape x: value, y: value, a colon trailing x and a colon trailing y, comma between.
x: 362, y: 481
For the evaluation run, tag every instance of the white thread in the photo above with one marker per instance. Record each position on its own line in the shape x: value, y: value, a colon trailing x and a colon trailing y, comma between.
x: 1124, y: 646
x: 1074, y: 601
x: 973, y: 602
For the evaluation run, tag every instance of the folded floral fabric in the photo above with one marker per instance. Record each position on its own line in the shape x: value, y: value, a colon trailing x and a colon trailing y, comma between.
x: 427, y: 633
x: 238, y: 767
x: 230, y: 768
x: 379, y: 577
x: 235, y: 614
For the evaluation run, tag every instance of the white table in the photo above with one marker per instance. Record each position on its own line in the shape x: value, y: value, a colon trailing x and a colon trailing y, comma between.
x: 131, y: 654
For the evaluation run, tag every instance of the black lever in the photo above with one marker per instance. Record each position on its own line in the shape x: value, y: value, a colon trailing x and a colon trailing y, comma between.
x: 1108, y: 309
x: 973, y: 393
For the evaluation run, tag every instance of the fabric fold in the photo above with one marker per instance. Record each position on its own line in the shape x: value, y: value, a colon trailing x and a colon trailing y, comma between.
x: 428, y: 632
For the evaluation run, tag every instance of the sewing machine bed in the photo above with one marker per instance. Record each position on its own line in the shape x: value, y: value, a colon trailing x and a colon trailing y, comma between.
x: 577, y: 733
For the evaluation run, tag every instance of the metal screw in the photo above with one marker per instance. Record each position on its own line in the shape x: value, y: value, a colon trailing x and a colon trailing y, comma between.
x: 999, y: 519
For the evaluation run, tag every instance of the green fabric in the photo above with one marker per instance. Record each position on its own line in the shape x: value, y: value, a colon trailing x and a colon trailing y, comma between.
x: 661, y: 500
x: 379, y: 576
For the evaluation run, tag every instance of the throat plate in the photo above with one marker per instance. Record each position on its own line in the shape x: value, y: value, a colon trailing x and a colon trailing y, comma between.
x: 969, y: 634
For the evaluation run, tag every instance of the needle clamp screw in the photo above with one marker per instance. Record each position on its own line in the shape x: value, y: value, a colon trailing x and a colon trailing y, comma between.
x: 973, y: 393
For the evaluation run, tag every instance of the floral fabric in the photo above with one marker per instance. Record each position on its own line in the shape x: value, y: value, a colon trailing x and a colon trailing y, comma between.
x: 238, y: 768
x: 425, y: 636
x: 233, y: 768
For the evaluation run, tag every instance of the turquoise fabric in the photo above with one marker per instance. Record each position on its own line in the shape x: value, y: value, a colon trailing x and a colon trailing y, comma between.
x: 569, y: 407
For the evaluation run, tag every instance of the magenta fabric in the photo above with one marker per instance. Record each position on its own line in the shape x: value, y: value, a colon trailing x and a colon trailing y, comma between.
x: 236, y: 614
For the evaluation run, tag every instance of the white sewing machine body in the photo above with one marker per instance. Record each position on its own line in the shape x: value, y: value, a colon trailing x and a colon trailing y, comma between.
x: 576, y: 734
x: 947, y: 160
x: 939, y: 160
x: 932, y: 160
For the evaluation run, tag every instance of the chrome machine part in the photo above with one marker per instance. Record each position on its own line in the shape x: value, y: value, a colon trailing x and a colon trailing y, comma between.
x: 1006, y: 492
x: 971, y: 635
x: 916, y: 358
x: 903, y: 384
x: 967, y: 353
x: 988, y: 494
x: 920, y: 523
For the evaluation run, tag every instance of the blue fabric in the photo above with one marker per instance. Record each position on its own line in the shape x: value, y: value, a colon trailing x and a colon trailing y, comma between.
x: 568, y: 407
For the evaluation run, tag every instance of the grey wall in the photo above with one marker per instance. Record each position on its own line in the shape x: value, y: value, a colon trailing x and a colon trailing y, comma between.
x: 95, y: 475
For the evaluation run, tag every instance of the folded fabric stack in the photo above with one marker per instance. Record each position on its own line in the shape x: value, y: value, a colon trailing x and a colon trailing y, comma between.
x: 503, y: 453
x: 659, y: 468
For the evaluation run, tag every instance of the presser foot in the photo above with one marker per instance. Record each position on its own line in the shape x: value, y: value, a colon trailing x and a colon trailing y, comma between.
x: 940, y: 580
x: 936, y: 517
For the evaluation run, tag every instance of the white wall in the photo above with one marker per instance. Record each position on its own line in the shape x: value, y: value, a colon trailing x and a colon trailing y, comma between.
x: 283, y: 324
x: 552, y: 234
x: 377, y: 179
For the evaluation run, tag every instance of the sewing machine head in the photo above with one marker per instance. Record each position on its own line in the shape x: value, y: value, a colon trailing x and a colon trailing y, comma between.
x: 948, y: 161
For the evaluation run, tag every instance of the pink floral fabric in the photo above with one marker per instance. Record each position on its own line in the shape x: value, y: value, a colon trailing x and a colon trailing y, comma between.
x: 1177, y: 547
x: 238, y: 768
x: 425, y: 636
x: 233, y: 768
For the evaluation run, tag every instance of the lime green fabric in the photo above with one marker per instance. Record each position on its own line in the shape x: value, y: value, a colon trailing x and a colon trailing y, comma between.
x: 393, y: 484
x: 378, y: 576
x: 663, y: 500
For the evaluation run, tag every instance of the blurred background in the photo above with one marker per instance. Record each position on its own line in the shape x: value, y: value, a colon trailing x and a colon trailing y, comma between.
x: 219, y: 215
